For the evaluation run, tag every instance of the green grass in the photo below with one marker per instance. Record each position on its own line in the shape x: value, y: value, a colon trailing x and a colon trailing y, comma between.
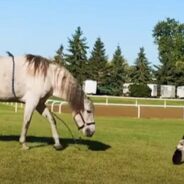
x: 122, y: 151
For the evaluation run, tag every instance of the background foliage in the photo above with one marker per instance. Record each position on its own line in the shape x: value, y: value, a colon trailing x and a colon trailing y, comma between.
x: 111, y: 74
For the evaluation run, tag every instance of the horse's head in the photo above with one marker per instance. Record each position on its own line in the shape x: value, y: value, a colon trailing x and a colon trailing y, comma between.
x: 178, y: 156
x: 85, y: 118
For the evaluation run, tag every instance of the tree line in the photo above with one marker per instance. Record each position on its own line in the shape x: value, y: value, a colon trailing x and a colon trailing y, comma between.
x: 112, y: 74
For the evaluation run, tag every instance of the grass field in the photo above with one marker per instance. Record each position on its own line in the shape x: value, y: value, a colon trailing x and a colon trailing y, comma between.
x: 123, y: 150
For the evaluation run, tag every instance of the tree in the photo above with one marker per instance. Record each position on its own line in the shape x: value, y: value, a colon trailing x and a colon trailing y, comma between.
x: 169, y: 36
x: 118, y: 72
x: 76, y: 59
x: 141, y: 71
x: 98, y: 65
x: 59, y: 57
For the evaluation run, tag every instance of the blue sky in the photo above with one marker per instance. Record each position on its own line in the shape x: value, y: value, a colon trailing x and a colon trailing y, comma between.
x: 40, y: 26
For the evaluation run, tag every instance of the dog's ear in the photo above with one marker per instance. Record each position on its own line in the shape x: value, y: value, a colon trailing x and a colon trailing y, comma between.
x: 183, y: 137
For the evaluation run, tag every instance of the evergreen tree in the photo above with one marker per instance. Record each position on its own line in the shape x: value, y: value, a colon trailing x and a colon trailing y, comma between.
x: 98, y: 65
x: 59, y: 57
x: 118, y: 72
x: 76, y: 59
x: 98, y: 60
x: 141, y: 73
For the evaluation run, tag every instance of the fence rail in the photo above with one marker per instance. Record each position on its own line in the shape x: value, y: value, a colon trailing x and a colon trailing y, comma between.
x: 136, y: 104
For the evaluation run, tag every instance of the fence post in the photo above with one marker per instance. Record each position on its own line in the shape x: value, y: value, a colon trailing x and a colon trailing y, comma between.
x: 21, y: 105
x: 165, y: 103
x: 60, y: 105
x: 136, y: 102
x: 16, y: 107
x: 106, y: 101
x: 52, y: 106
x: 138, y: 111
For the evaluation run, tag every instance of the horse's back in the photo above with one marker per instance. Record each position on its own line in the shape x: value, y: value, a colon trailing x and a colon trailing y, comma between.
x: 7, y: 70
x: 8, y: 74
x: 23, y: 78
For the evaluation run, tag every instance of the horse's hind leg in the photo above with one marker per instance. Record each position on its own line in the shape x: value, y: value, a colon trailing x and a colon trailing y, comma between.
x: 44, y: 111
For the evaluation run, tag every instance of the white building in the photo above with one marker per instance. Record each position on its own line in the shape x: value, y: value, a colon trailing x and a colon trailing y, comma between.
x: 90, y: 87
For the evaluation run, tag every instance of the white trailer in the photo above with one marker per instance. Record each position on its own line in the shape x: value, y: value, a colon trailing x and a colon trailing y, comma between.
x: 154, y: 89
x: 126, y: 89
x: 167, y: 91
x: 90, y: 87
x: 180, y: 91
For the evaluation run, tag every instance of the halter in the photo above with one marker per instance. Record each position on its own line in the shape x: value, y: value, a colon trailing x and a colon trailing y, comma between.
x: 84, y: 123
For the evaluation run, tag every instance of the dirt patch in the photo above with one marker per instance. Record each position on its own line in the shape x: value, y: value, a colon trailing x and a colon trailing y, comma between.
x: 161, y: 112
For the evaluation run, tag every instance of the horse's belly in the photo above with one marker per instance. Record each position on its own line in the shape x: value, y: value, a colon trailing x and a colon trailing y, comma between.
x: 8, y: 86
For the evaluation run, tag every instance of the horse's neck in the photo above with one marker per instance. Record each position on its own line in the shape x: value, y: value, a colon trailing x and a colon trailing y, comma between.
x: 66, y: 87
x: 61, y: 82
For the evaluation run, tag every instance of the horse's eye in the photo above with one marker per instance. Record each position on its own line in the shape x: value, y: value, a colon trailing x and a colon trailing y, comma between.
x: 88, y: 111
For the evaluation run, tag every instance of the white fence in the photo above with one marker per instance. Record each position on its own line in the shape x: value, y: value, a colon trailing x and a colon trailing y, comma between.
x: 164, y: 101
x: 59, y: 104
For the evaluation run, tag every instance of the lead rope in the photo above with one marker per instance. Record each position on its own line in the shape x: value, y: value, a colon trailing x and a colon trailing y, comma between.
x: 74, y: 139
x: 13, y: 73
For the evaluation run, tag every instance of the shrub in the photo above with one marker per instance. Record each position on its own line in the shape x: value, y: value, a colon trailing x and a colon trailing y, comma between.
x: 139, y: 90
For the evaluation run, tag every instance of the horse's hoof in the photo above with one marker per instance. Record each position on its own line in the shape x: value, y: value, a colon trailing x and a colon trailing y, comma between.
x: 58, y: 146
x: 25, y: 147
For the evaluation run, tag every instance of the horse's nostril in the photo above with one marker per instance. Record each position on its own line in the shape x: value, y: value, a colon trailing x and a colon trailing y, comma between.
x: 88, y: 132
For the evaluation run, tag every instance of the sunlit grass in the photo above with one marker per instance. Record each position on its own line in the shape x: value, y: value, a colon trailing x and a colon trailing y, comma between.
x: 122, y: 151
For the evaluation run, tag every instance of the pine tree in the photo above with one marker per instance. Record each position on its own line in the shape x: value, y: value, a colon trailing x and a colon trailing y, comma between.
x: 118, y: 73
x: 98, y: 60
x: 77, y: 57
x: 141, y: 73
x: 59, y: 57
x: 98, y: 64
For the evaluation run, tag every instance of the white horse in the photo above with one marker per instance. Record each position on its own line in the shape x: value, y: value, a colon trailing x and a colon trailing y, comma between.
x: 32, y: 80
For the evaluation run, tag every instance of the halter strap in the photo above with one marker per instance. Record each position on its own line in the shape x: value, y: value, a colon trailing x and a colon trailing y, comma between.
x: 84, y: 123
x: 13, y: 73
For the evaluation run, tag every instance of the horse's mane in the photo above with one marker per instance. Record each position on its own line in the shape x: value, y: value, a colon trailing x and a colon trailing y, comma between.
x: 39, y: 64
x: 70, y: 89
x: 67, y: 86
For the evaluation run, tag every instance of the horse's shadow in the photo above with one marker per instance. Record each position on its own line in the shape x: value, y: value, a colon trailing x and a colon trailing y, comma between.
x: 44, y: 141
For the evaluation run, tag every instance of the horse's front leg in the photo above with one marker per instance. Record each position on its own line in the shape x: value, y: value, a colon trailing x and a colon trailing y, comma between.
x: 44, y: 111
x: 28, y: 111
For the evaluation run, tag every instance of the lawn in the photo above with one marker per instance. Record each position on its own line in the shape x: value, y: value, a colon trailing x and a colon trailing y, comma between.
x: 122, y: 151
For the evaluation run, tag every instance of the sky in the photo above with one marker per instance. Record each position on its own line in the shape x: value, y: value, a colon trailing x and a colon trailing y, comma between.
x: 41, y: 26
